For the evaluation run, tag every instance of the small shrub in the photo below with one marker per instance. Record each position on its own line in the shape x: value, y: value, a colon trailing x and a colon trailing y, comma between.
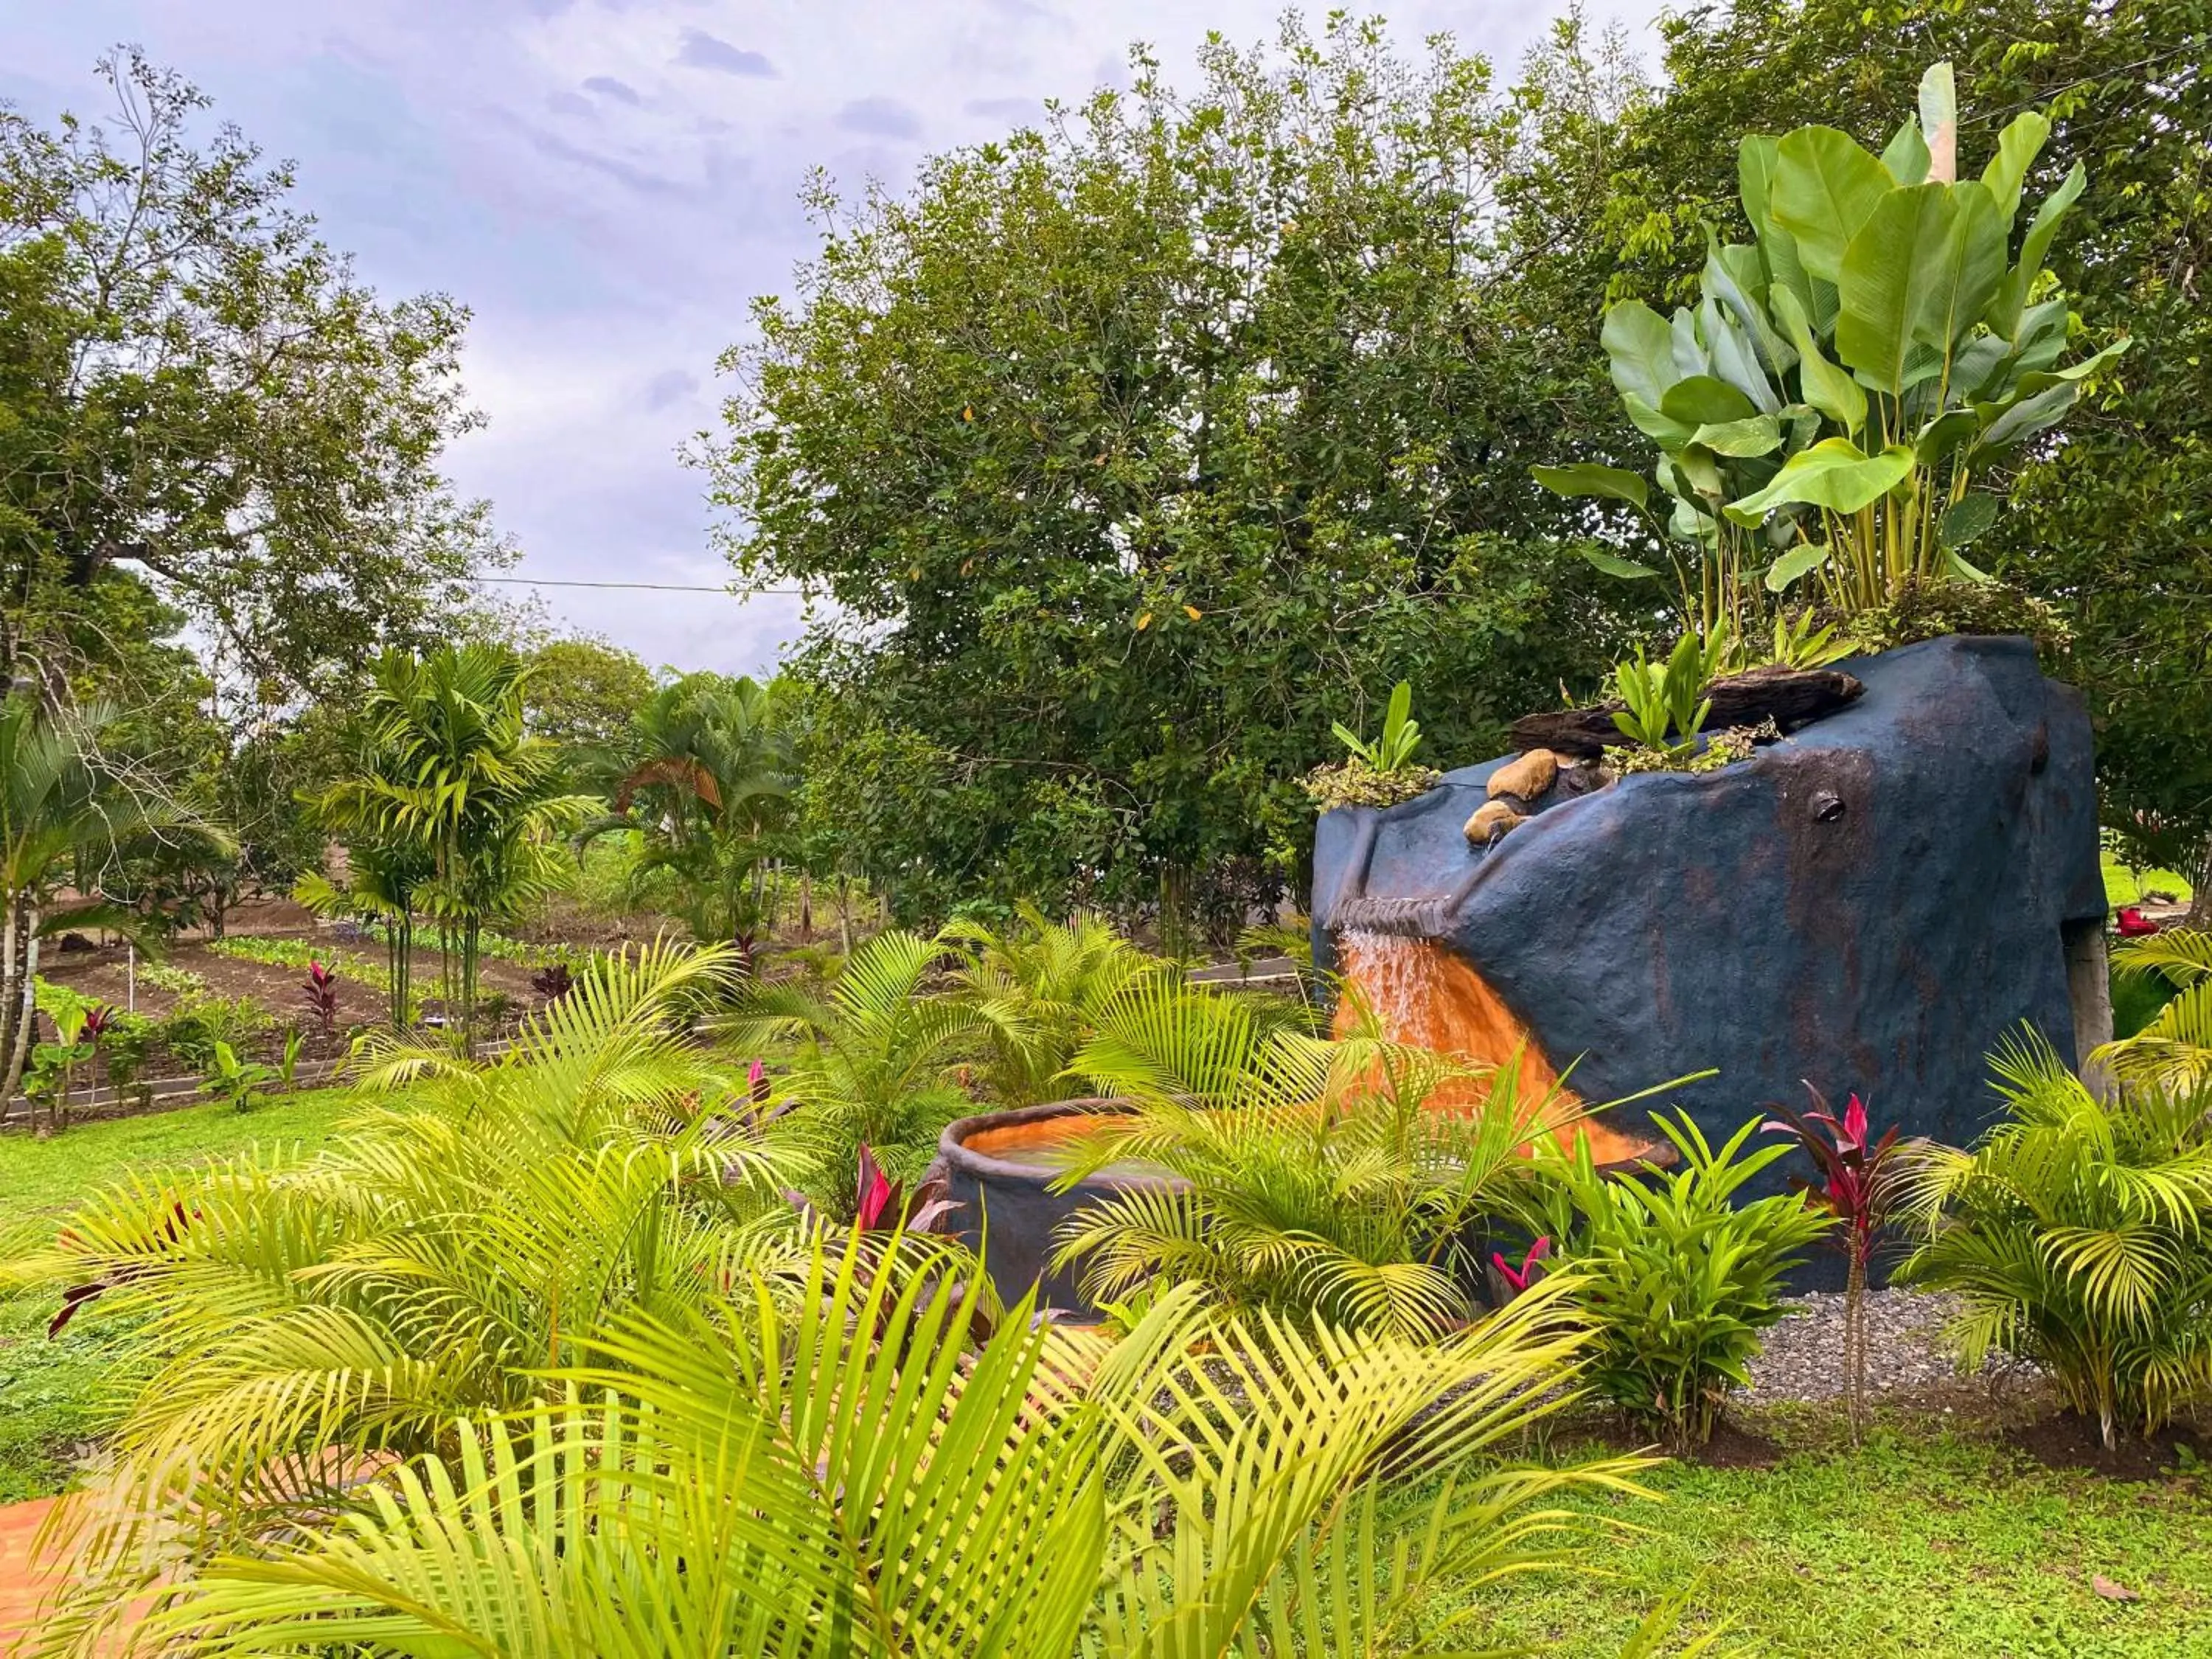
x: 320, y: 994
x: 1857, y: 1188
x: 2078, y: 1233
x: 165, y: 976
x: 553, y: 980
x: 197, y: 1024
x: 1677, y: 1278
x: 234, y: 1081
x: 1933, y: 609
x: 1353, y: 782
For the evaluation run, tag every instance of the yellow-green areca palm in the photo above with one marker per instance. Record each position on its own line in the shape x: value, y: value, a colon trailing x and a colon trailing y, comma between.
x: 856, y: 1481
x: 281, y: 1319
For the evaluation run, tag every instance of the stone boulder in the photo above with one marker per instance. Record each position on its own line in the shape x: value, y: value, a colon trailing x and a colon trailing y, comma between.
x: 1873, y: 904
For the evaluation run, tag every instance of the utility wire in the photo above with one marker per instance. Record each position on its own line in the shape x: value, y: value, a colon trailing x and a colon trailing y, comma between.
x: 644, y: 587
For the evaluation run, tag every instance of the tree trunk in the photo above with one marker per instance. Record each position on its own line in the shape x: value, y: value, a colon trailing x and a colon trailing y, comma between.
x: 1855, y: 1344
x: 2200, y: 901
x: 19, y: 976
x: 806, y: 907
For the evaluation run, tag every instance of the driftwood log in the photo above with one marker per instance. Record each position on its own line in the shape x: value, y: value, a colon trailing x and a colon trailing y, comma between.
x: 1790, y: 697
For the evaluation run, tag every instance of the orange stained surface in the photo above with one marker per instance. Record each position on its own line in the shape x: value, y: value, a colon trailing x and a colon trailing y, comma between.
x: 1424, y: 994
x: 1034, y: 1135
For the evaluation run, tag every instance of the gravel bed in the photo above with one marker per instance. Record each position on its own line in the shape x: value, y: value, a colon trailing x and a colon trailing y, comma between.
x: 1803, y: 1356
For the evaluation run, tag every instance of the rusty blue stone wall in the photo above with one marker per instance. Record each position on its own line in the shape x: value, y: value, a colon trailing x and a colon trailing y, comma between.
x: 1873, y: 904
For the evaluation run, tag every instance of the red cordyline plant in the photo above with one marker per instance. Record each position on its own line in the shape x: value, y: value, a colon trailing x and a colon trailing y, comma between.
x: 320, y: 994
x: 1857, y: 1186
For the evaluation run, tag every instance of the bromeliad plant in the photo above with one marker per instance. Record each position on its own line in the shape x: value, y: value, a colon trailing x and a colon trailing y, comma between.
x: 1857, y: 1188
x: 1853, y: 382
x: 1377, y: 773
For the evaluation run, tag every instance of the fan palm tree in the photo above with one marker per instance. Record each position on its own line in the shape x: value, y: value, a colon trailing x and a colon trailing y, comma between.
x: 2078, y: 1236
x: 452, y: 778
x: 66, y: 806
x: 1316, y: 1178
x: 850, y: 1479
x: 1056, y: 977
x: 286, y: 1321
x: 703, y: 780
x: 874, y: 1067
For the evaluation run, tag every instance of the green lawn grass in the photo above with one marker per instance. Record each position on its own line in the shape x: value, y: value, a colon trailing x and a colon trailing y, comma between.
x: 2124, y: 885
x: 52, y: 1392
x: 1924, y: 1543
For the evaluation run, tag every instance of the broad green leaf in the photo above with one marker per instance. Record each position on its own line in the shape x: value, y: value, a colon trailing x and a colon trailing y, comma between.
x: 1590, y: 478
x: 2085, y: 368
x: 1613, y: 565
x: 1699, y: 464
x: 1824, y: 186
x: 1640, y: 350
x: 1972, y: 267
x: 1736, y: 359
x: 1964, y: 571
x: 1668, y: 433
x: 1895, y: 265
x: 1939, y: 123
x: 1755, y: 434
x: 2026, y: 414
x: 2011, y: 297
x: 1754, y: 177
x: 1795, y: 564
x: 1834, y: 473
x: 1734, y: 276
x: 1966, y: 519
x: 1690, y: 357
x: 1777, y: 248
x: 1945, y: 434
x: 1826, y: 387
x: 1906, y: 158
x: 1974, y: 369
x: 2018, y: 146
x: 1703, y: 400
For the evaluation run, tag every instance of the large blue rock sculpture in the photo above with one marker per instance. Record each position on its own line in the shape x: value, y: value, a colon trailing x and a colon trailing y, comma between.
x: 1873, y: 904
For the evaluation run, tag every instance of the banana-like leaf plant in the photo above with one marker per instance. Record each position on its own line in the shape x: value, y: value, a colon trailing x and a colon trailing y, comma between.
x: 1833, y: 408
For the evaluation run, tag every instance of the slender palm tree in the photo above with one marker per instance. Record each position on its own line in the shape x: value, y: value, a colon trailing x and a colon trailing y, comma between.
x: 703, y: 780
x: 66, y: 807
x: 2077, y: 1235
x: 287, y: 1319
x: 2174, y: 1050
x: 1055, y: 978
x: 452, y: 779
x: 1316, y: 1178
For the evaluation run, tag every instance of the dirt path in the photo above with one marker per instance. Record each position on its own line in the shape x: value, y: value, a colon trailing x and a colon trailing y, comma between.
x: 20, y: 1589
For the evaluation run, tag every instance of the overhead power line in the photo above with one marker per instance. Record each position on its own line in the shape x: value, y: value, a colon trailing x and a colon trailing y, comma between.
x: 643, y: 587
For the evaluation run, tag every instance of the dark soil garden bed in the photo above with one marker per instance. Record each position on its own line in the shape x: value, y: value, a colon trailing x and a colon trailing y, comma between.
x: 2069, y: 1441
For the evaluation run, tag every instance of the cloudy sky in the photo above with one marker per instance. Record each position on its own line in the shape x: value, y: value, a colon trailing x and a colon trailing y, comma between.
x: 607, y: 183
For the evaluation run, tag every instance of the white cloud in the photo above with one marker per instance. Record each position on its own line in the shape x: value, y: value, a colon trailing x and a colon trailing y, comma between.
x: 607, y: 183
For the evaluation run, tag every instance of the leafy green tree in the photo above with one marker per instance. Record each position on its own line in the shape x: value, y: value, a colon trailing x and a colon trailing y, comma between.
x: 584, y: 693
x: 194, y: 386
x: 1132, y: 449
x: 67, y: 810
x: 2108, y: 524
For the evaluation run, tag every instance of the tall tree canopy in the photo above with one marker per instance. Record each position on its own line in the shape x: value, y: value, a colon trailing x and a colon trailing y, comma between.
x: 1132, y: 450
x: 194, y: 387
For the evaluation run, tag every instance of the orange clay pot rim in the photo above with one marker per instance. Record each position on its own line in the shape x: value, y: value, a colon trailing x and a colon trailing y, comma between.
x: 952, y: 1146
